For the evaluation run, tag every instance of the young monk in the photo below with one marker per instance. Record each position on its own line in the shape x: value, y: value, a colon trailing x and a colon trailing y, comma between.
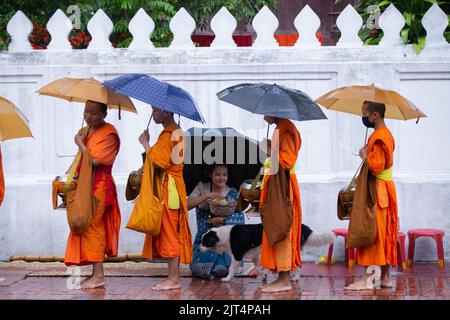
x: 284, y: 256
x: 102, y: 236
x: 378, y: 154
x: 174, y: 241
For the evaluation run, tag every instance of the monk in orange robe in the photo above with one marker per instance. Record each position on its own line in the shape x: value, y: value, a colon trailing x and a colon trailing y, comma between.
x: 379, y: 155
x: 174, y: 242
x: 102, y: 235
x: 284, y: 256
x: 2, y: 180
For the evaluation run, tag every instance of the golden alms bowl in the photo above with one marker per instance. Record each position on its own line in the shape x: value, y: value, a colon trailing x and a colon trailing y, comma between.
x: 222, y: 207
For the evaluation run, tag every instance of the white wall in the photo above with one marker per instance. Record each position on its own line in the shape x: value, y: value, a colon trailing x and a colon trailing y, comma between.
x: 327, y: 160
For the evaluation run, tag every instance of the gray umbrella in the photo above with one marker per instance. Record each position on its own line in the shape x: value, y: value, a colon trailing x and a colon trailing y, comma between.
x: 272, y: 100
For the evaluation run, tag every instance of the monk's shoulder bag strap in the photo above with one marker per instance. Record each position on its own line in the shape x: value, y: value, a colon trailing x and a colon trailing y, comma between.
x: 61, y: 187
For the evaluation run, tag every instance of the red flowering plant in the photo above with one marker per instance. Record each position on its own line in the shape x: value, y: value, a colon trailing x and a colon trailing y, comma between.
x: 4, y: 36
x: 79, y: 39
x: 39, y: 37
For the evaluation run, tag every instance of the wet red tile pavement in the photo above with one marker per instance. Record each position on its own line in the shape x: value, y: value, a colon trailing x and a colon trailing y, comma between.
x: 422, y: 281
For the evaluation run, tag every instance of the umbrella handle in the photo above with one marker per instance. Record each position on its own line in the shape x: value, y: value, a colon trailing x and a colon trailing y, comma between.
x: 365, y: 138
x: 150, y: 120
x: 267, y: 134
x: 82, y: 123
x: 365, y: 142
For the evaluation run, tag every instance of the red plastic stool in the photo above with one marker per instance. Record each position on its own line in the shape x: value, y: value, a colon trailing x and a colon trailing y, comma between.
x: 349, y: 253
x: 437, y: 236
x: 401, y: 251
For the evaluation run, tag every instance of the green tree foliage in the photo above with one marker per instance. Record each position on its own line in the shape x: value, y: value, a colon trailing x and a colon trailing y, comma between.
x: 121, y: 12
x: 413, y: 12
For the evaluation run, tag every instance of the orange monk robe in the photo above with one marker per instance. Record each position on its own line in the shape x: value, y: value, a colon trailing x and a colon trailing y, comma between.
x: 2, y: 180
x: 174, y: 239
x: 285, y: 255
x: 102, y: 236
x: 380, y: 156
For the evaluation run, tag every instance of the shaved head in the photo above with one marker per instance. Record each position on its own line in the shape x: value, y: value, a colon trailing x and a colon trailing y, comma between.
x: 372, y: 107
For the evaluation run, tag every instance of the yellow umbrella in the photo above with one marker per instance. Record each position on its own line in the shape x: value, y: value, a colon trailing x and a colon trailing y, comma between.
x: 84, y: 89
x: 13, y: 123
x: 350, y: 100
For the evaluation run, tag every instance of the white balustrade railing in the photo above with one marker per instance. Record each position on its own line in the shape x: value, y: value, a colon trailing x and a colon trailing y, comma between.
x: 100, y: 27
x: 59, y: 27
x: 223, y: 24
x: 307, y: 23
x: 349, y: 23
x: 141, y: 27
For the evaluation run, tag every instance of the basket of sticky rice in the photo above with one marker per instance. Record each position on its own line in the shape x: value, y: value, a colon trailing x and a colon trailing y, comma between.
x: 221, y: 207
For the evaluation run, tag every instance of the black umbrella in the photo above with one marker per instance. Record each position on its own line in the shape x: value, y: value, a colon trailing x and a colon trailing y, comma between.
x: 208, y: 146
x: 272, y: 100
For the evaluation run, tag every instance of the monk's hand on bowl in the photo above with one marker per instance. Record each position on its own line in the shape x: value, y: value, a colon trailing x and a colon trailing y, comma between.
x: 216, y: 222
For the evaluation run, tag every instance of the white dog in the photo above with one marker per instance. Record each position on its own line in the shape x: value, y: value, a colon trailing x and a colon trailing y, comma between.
x: 244, y: 242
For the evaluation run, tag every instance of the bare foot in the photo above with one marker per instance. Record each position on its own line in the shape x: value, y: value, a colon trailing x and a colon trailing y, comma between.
x: 92, y: 283
x: 277, y: 286
x: 167, y: 285
x: 358, y: 285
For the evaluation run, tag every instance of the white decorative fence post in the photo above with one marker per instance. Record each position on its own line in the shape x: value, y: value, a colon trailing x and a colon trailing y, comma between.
x: 141, y: 27
x: 434, y: 22
x: 182, y: 26
x: 265, y: 24
x: 19, y: 28
x: 223, y: 25
x: 349, y: 23
x: 100, y: 27
x: 392, y: 22
x: 307, y: 23
x: 59, y: 27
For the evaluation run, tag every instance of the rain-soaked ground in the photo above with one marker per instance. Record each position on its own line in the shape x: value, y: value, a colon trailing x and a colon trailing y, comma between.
x: 133, y: 280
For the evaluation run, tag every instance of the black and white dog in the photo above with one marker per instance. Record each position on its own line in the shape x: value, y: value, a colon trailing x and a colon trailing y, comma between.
x: 243, y: 242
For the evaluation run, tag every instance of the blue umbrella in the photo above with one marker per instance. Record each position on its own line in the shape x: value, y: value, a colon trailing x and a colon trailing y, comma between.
x: 272, y: 100
x: 160, y: 94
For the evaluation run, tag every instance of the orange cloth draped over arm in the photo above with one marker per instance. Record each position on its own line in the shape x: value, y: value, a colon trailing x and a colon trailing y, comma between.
x: 285, y: 255
x: 102, y: 236
x: 2, y: 180
x: 380, y: 156
x: 104, y: 145
x: 174, y: 239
